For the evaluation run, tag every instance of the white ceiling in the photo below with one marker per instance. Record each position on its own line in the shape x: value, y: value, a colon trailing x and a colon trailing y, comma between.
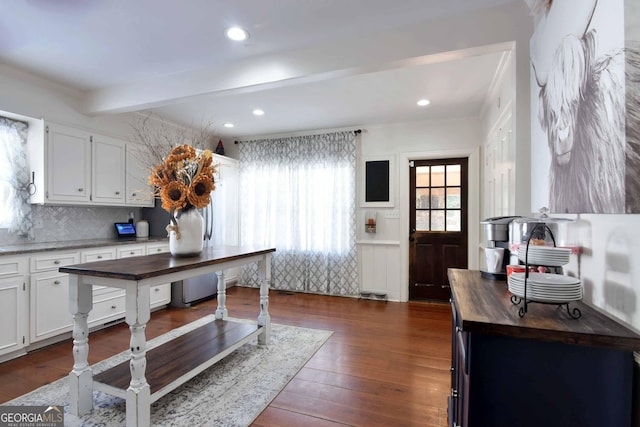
x: 309, y: 64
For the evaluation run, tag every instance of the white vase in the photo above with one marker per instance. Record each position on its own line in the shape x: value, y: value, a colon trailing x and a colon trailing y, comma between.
x: 188, y: 238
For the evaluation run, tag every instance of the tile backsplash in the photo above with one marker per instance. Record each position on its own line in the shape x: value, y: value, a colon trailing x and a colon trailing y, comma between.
x: 59, y: 223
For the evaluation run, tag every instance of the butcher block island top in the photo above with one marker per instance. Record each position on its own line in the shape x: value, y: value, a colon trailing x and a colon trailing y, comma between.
x: 484, y: 306
x: 149, y: 375
x: 163, y: 264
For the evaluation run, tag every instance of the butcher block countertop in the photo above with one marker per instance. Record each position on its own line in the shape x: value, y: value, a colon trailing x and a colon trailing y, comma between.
x: 140, y: 268
x: 484, y: 306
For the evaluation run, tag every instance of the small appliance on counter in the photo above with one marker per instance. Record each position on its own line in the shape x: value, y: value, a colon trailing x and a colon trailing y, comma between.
x: 142, y: 229
x: 125, y: 230
x: 497, y: 253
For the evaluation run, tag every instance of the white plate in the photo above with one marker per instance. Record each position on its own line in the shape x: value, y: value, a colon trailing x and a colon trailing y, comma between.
x: 534, y: 259
x: 553, y: 288
x: 544, y: 255
x: 549, y: 300
x: 571, y: 295
x: 545, y: 250
x: 552, y: 298
x: 546, y: 278
x: 520, y: 282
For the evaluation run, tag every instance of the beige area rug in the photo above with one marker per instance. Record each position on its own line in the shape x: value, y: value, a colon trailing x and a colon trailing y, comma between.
x: 232, y: 392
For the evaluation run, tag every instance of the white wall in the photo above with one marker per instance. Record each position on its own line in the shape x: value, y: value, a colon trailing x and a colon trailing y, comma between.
x: 608, y: 262
x: 384, y: 256
x: 33, y: 97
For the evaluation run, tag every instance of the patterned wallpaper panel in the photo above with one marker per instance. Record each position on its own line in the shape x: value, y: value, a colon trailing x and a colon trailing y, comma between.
x: 59, y: 223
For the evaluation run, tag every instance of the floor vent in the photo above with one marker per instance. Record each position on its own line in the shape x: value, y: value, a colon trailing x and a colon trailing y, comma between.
x: 374, y: 295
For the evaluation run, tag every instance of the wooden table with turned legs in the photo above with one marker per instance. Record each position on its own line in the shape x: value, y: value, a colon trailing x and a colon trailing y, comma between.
x: 149, y: 375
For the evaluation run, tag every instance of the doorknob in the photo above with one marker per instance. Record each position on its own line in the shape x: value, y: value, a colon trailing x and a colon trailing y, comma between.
x: 411, y: 239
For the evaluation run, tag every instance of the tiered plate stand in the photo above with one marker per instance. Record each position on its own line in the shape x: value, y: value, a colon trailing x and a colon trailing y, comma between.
x: 574, y: 312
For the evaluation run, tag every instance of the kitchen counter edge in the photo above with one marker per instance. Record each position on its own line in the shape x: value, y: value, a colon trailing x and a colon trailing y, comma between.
x: 27, y: 248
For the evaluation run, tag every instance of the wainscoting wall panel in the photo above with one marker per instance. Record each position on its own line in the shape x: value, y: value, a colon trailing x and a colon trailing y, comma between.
x: 379, y: 267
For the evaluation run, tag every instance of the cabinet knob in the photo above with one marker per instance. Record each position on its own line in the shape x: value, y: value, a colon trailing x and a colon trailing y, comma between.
x: 133, y: 194
x: 56, y: 262
x: 132, y: 253
x: 157, y: 290
x: 159, y: 250
x: 117, y: 193
x: 113, y: 307
x: 56, y: 282
x: 99, y: 256
x: 80, y: 190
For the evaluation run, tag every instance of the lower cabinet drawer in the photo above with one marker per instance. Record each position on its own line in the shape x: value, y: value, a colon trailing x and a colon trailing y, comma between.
x: 53, y: 261
x: 109, y: 307
x: 160, y: 295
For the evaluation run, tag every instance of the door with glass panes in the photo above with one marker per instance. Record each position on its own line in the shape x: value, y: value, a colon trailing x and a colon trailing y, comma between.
x: 438, y: 226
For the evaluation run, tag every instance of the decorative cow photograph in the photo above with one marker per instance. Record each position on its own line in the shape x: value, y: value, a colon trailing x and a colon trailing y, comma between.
x: 585, y: 87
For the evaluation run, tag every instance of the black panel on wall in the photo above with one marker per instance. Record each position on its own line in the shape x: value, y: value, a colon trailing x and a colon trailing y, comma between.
x: 377, y: 181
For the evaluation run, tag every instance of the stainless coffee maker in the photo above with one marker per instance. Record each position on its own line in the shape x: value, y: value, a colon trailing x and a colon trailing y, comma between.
x: 497, y: 253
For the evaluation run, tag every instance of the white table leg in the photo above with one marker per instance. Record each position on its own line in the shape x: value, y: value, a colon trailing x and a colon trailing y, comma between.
x: 221, y: 311
x: 81, y: 377
x: 264, y: 319
x: 138, y: 393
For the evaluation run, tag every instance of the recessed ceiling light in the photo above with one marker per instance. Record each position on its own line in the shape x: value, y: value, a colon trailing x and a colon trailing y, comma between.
x: 237, y: 34
x: 228, y: 125
x: 258, y: 112
x: 424, y: 102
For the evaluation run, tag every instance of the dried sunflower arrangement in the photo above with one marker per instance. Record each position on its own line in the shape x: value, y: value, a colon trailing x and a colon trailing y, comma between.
x: 180, y: 165
x: 184, y: 181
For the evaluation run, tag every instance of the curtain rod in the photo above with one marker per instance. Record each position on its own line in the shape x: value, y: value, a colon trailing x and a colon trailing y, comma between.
x: 357, y: 132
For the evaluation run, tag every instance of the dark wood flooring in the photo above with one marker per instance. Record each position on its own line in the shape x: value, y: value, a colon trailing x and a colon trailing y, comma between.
x: 386, y: 364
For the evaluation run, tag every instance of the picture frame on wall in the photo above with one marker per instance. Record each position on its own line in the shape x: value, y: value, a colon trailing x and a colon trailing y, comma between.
x: 585, y: 149
x: 377, y: 181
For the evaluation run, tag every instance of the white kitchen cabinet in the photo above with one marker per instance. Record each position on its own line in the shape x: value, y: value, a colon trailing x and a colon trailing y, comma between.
x: 67, y: 165
x: 161, y: 294
x: 108, y: 303
x: 34, y: 295
x: 50, y: 314
x: 108, y: 170
x: 49, y: 299
x: 13, y: 305
x: 499, y: 169
x: 73, y: 166
x: 138, y: 190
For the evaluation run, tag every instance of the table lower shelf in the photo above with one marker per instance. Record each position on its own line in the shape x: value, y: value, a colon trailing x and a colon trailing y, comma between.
x: 177, y: 361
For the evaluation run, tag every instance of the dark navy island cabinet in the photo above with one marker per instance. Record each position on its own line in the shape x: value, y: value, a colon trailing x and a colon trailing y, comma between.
x: 542, y: 369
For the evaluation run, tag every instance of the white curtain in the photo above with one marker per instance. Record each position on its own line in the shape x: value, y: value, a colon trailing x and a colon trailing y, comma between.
x: 14, y: 177
x: 298, y: 195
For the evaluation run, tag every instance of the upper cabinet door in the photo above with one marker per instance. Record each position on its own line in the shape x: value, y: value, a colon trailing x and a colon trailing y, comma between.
x: 108, y: 170
x: 139, y: 192
x: 69, y: 164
